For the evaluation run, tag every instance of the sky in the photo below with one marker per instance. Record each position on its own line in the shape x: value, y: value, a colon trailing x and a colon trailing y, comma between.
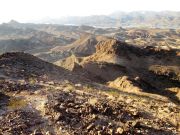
x: 27, y: 10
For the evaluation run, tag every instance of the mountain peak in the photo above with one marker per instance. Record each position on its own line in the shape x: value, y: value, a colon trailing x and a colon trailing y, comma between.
x: 13, y: 22
x: 108, y: 46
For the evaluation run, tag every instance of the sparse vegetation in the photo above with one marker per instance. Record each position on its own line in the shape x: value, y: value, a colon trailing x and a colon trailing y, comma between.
x: 32, y: 81
x: 107, y: 86
x: 112, y: 92
x: 93, y: 101
x: 16, y: 103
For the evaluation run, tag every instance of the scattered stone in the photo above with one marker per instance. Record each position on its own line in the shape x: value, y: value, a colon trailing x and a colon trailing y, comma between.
x: 119, y: 130
x: 78, y: 85
x: 90, y: 126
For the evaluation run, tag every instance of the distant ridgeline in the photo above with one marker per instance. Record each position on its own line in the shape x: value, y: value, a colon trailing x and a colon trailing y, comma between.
x: 164, y: 19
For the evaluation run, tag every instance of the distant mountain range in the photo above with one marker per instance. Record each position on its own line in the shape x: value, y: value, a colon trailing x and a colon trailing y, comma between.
x: 164, y: 19
x: 53, y: 42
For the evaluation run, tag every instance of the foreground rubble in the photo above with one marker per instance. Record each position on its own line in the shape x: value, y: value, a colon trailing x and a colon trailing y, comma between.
x: 76, y: 109
x: 85, y: 114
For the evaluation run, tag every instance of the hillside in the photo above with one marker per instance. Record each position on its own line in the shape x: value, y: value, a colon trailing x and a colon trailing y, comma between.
x: 87, y: 80
x: 17, y: 66
x: 37, y: 97
x: 53, y: 42
x: 84, y: 46
x: 124, y: 66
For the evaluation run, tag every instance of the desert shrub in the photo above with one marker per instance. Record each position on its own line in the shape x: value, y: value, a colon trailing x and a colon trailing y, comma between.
x: 16, y: 103
x: 113, y: 92
x: 32, y: 81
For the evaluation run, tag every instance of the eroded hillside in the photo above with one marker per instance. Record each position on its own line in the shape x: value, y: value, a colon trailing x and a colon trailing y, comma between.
x: 104, y: 81
x: 40, y: 98
x: 55, y: 42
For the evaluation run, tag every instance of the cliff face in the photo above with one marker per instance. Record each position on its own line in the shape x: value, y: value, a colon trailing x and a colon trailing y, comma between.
x: 157, y: 69
x: 113, y: 46
x: 108, y: 46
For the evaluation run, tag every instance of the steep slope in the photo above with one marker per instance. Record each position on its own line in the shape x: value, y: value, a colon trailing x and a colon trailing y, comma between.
x: 114, y: 60
x: 19, y: 65
x: 21, y: 71
x: 21, y: 45
x: 82, y: 47
x: 118, y: 52
x: 69, y: 62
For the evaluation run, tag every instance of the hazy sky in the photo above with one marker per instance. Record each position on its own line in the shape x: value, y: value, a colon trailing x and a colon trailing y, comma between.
x: 23, y: 10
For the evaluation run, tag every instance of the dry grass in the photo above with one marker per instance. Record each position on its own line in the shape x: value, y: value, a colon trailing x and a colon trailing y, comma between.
x: 16, y: 103
x: 113, y: 92
x: 32, y: 81
x: 69, y: 87
x: 93, y: 101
